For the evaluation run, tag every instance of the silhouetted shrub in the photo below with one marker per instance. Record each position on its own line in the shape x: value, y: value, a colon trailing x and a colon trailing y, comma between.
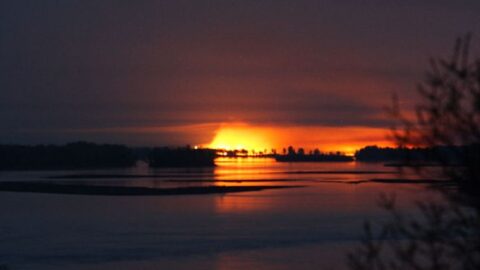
x: 440, y: 236
x: 448, y: 115
x: 443, y: 235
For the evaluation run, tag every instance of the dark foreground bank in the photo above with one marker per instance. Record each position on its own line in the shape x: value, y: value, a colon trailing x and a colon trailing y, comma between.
x: 79, y: 189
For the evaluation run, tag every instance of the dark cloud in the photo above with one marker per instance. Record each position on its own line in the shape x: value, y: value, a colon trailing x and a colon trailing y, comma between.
x: 68, y: 66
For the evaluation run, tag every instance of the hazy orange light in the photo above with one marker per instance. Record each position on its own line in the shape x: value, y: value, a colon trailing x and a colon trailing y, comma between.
x: 327, y: 139
x: 242, y: 136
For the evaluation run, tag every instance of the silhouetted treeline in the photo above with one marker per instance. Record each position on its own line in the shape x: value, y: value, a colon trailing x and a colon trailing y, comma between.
x: 78, y: 155
x: 236, y: 153
x: 441, y: 155
x: 181, y: 157
x: 141, y: 153
x: 389, y: 154
x: 85, y: 155
x: 292, y: 155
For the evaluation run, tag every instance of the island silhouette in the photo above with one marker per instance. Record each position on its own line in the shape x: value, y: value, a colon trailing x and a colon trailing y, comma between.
x: 87, y: 155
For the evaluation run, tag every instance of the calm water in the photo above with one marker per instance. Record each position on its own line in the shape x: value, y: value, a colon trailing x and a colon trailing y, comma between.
x: 308, y: 227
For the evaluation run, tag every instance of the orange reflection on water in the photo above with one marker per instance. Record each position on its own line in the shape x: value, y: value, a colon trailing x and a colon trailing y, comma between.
x: 325, y: 186
x: 247, y: 202
x: 246, y: 171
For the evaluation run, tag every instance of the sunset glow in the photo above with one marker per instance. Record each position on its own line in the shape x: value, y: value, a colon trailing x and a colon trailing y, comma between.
x: 237, y: 136
x: 243, y: 136
x: 187, y: 134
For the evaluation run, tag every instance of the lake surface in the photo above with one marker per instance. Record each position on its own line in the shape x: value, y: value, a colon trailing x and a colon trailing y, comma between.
x: 307, y: 227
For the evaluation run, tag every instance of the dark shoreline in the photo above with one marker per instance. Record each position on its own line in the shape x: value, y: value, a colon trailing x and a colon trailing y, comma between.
x: 112, y: 176
x: 77, y: 189
x: 432, y: 182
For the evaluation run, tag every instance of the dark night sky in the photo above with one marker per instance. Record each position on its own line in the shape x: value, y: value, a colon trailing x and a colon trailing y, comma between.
x: 170, y: 72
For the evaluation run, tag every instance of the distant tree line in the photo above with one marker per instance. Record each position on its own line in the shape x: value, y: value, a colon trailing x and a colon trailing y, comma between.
x: 292, y: 155
x: 291, y: 151
x: 441, y: 155
x: 181, y: 157
x: 86, y: 155
x: 69, y: 156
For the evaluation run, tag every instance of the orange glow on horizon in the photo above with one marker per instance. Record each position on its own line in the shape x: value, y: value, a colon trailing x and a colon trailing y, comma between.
x: 243, y: 136
x: 237, y: 136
